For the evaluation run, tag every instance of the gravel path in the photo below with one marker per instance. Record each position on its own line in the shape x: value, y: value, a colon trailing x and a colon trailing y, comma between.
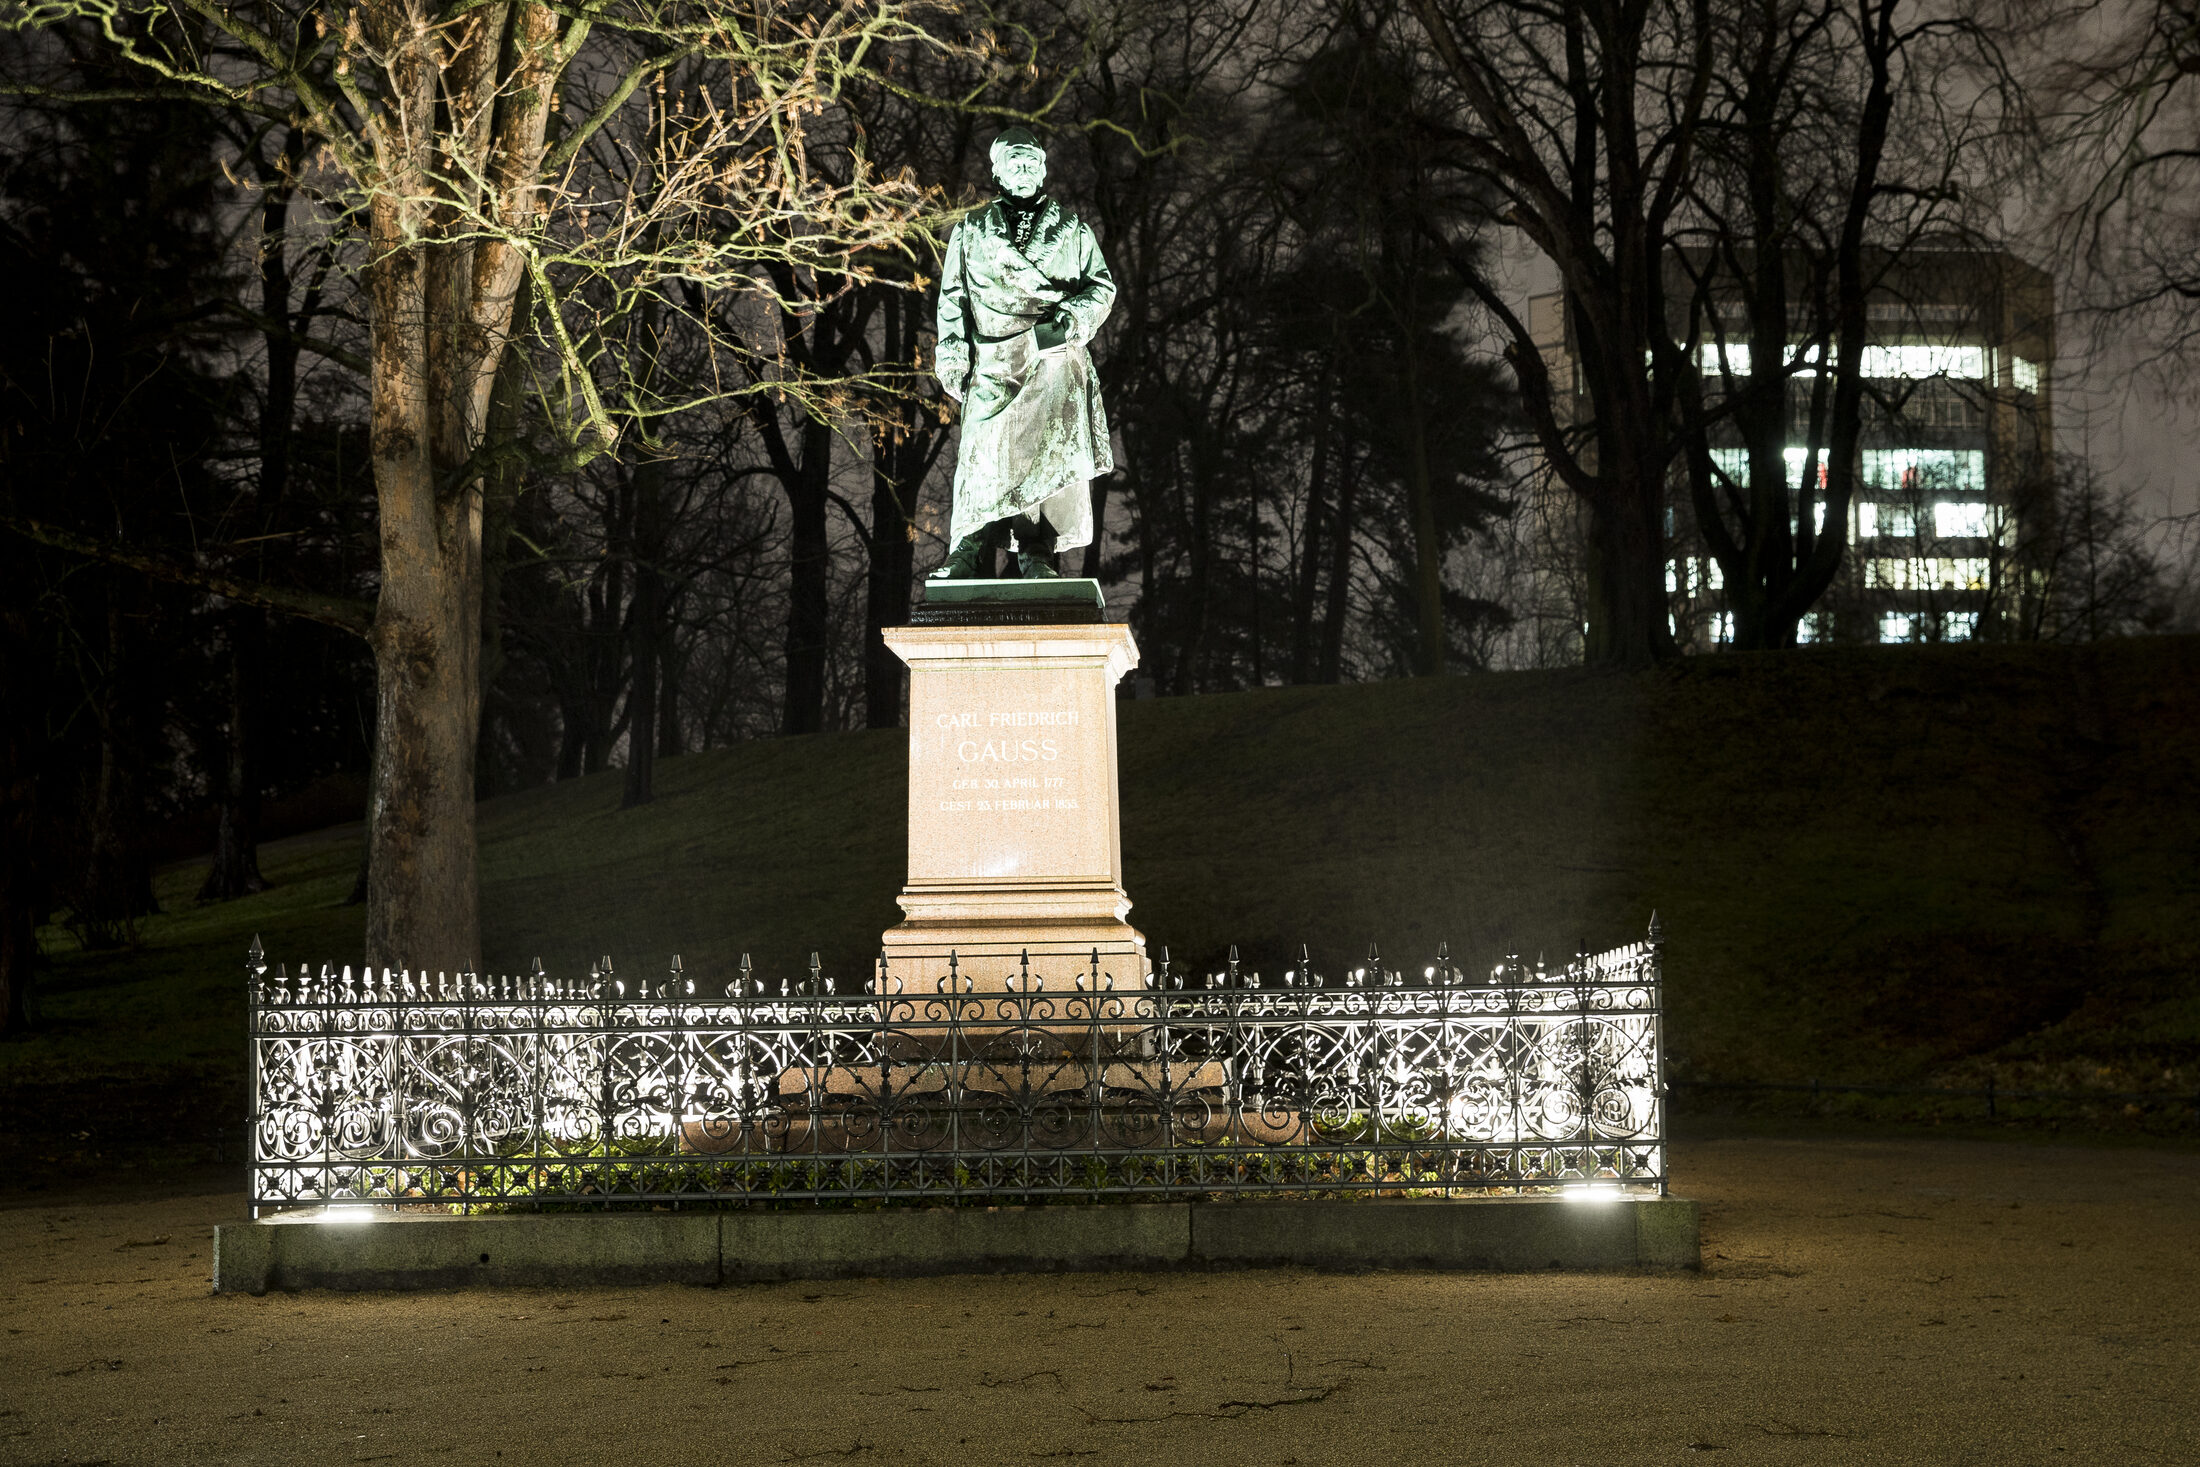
x: 1862, y: 1302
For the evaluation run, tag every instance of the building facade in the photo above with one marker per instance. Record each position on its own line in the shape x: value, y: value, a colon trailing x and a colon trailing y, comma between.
x: 1954, y: 463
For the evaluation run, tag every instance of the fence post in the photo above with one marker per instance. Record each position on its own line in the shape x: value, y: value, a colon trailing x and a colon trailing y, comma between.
x: 255, y: 994
x: 1659, y: 1088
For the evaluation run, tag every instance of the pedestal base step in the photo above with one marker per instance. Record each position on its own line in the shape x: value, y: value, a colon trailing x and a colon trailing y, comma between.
x: 402, y: 1251
x: 1098, y: 959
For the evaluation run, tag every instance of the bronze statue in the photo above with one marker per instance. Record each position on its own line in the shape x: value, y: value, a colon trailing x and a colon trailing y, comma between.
x: 1023, y: 291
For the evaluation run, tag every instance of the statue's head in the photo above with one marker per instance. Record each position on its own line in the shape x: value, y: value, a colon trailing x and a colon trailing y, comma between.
x: 1019, y: 163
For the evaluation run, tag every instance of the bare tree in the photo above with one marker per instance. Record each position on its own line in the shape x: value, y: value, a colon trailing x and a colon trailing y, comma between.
x: 1584, y: 118
x: 2121, y: 88
x: 2089, y: 564
x: 1834, y: 151
x: 451, y: 131
x: 1721, y: 185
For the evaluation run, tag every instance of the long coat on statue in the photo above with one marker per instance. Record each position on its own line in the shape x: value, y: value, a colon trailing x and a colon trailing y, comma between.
x: 1033, y: 430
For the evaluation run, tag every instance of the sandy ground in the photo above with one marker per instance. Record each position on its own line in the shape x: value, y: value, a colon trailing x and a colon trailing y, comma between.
x: 1863, y: 1301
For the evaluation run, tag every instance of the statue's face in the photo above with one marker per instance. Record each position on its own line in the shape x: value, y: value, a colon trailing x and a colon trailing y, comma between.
x: 1021, y: 172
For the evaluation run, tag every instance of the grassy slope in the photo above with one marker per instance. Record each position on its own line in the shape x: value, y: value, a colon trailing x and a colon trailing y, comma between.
x: 1872, y: 863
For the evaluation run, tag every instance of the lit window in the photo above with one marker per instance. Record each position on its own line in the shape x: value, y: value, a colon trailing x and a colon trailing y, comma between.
x: 1959, y: 470
x: 1795, y: 459
x: 1732, y: 356
x: 1959, y: 626
x: 1807, y: 630
x: 1911, y: 362
x: 1722, y: 628
x: 1967, y: 573
x: 1672, y: 578
x: 1734, y: 463
x: 1894, y: 626
x: 1713, y: 577
x: 1885, y: 521
x: 1929, y: 573
x: 2027, y: 374
x: 1962, y: 519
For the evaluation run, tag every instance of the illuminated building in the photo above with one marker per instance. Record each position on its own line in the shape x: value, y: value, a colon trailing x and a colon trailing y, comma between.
x: 1952, y: 462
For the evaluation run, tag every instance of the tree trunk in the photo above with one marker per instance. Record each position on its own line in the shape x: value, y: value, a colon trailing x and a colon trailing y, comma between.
x: 809, y: 594
x: 1199, y: 580
x: 1252, y: 586
x: 1340, y: 576
x: 22, y: 862
x: 422, y: 895
x: 20, y: 891
x: 671, y: 737
x: 1428, y: 560
x: 116, y: 882
x: 1624, y: 581
x: 892, y: 571
x: 469, y: 107
x: 570, y: 742
x: 1310, y: 543
x: 505, y: 482
x: 423, y: 909
x: 645, y: 624
x: 641, y: 725
x: 603, y: 663
x: 235, y: 870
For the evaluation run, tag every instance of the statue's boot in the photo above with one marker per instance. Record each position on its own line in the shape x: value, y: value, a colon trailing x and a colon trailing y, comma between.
x: 1035, y: 548
x: 973, y: 557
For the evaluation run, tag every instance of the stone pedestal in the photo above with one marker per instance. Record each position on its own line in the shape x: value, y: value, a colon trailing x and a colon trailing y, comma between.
x: 1014, y: 842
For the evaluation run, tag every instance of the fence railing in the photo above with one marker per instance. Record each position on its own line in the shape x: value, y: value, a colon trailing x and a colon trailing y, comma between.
x: 468, y: 1091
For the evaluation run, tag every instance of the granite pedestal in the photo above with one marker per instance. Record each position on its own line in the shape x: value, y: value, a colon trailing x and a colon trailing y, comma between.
x: 1015, y: 849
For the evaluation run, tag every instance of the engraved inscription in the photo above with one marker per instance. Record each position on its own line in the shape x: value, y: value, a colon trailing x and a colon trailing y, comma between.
x: 1010, y: 774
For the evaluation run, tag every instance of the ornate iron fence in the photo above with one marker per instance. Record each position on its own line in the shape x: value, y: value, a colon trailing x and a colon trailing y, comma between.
x: 467, y: 1091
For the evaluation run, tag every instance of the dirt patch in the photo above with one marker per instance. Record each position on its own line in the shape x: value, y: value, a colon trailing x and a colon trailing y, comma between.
x: 1863, y: 1302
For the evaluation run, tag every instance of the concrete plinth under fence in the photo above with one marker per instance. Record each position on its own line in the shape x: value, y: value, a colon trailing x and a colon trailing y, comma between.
x: 393, y: 1251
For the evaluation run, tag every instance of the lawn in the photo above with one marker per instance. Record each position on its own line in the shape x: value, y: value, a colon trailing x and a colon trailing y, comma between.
x: 1895, y: 865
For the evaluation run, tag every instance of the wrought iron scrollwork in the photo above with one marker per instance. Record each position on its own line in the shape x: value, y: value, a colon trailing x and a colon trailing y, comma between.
x: 1019, y: 1085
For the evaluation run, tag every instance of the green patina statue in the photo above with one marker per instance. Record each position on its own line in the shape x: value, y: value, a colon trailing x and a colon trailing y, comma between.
x: 1023, y: 290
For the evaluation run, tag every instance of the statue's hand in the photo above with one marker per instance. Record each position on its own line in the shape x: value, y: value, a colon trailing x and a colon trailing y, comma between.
x: 1053, y: 332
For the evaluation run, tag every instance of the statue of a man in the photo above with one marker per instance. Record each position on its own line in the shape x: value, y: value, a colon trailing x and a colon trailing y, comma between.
x: 1024, y: 289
